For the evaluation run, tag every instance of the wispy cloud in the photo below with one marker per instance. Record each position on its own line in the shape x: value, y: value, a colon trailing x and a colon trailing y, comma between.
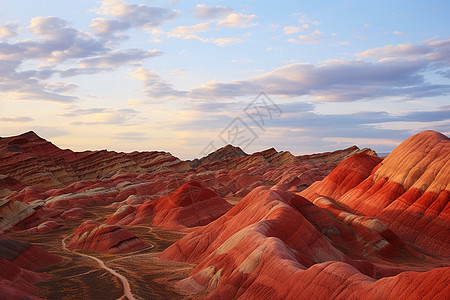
x: 342, y: 80
x: 142, y: 16
x: 118, y: 58
x: 295, y: 29
x: 190, y: 32
x: 156, y: 88
x: 96, y: 116
x: 219, y: 17
x: 127, y: 137
x: 235, y: 20
x: 9, y: 30
x: 16, y: 119
x: 225, y: 41
x: 311, y: 38
x: 334, y: 80
x: 202, y: 11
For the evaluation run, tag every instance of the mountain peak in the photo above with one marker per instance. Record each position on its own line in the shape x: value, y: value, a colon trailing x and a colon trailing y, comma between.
x: 226, y: 152
x: 30, y: 135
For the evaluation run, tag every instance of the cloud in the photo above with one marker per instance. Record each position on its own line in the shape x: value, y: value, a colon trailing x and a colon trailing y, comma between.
x: 108, y: 27
x: 96, y: 116
x: 30, y: 85
x: 334, y: 80
x: 235, y: 20
x: 295, y: 29
x: 304, y: 19
x: 118, y: 58
x: 142, y: 16
x: 435, y: 53
x: 189, y: 32
x: 347, y: 80
x: 9, y: 30
x: 311, y: 35
x: 130, y: 137
x: 400, y: 50
x: 154, y: 86
x: 225, y: 41
x: 76, y: 112
x: 16, y: 119
x: 398, y: 33
x: 310, y: 38
x: 221, y: 17
x: 377, y: 129
x: 203, y: 11
x: 59, y: 42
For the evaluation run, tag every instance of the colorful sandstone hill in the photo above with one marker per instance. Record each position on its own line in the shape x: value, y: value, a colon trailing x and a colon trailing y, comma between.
x: 269, y: 225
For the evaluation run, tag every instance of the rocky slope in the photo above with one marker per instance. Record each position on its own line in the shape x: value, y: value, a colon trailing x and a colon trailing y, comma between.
x: 18, y: 261
x: 334, y: 225
x: 27, y: 160
x: 356, y: 234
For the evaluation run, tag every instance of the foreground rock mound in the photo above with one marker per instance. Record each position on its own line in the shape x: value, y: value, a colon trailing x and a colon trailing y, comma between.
x: 97, y: 237
x: 18, y: 260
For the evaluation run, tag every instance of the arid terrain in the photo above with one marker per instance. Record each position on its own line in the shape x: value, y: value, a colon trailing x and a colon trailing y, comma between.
x: 346, y: 224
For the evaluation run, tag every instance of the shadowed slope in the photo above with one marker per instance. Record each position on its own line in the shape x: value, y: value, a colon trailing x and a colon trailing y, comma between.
x: 18, y: 260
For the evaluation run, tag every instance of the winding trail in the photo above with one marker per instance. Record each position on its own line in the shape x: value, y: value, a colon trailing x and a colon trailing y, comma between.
x: 126, y: 285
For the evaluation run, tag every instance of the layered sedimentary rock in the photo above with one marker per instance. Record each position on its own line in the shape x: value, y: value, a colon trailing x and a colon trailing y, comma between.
x: 12, y: 212
x: 190, y: 205
x: 97, y: 237
x: 239, y: 173
x: 367, y: 229
x: 18, y: 260
x: 271, y: 232
x: 340, y: 240
x: 227, y: 152
x: 31, y: 160
x: 408, y: 191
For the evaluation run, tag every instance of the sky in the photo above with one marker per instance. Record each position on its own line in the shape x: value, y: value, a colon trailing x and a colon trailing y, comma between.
x: 190, y: 77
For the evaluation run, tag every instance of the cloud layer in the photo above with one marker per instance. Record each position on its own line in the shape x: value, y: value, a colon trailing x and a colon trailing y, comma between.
x: 391, y: 75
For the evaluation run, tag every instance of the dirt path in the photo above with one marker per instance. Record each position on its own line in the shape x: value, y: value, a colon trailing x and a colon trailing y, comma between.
x: 126, y: 285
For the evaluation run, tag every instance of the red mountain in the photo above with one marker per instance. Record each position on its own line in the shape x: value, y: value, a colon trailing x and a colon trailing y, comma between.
x: 268, y: 225
x: 357, y: 234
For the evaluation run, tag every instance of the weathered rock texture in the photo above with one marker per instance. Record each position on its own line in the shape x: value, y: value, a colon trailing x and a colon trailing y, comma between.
x: 97, y: 237
x: 338, y: 225
x: 358, y: 234
x: 189, y: 206
x: 18, y: 260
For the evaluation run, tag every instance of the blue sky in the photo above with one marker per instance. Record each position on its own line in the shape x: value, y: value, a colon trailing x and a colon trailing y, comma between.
x: 181, y: 75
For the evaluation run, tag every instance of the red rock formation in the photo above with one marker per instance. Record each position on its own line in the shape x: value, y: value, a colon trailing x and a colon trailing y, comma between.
x: 408, y: 191
x: 74, y: 214
x: 367, y: 209
x: 31, y: 160
x: 13, y: 212
x: 226, y: 152
x: 358, y: 233
x: 97, y: 237
x: 188, y: 206
x: 267, y: 243
x: 265, y: 223
x: 18, y: 260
